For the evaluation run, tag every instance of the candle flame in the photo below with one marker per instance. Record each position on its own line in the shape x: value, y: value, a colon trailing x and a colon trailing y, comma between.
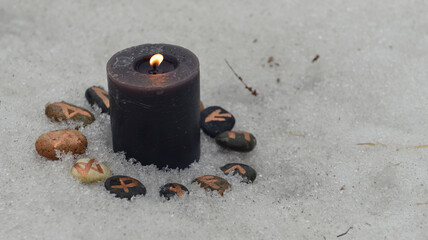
x: 156, y: 60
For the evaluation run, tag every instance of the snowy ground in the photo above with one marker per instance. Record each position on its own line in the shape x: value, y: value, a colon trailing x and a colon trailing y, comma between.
x: 314, y: 181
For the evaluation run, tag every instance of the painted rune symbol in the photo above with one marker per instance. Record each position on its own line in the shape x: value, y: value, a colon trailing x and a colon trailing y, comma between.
x: 217, y: 116
x: 126, y: 186
x: 176, y: 188
x: 84, y: 168
x: 103, y: 95
x: 232, y: 134
x: 210, y: 181
x: 239, y: 167
x: 57, y: 140
x: 70, y: 111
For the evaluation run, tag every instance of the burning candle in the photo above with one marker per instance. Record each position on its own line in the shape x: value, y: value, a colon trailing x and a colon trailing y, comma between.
x: 154, y: 104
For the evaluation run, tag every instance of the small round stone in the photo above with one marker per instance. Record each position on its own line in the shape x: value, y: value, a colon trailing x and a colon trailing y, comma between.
x: 210, y: 182
x: 90, y: 170
x: 246, y: 172
x: 62, y: 111
x: 99, y: 96
x: 215, y: 120
x: 169, y: 190
x: 65, y: 140
x: 124, y: 186
x: 237, y: 140
x: 201, y: 106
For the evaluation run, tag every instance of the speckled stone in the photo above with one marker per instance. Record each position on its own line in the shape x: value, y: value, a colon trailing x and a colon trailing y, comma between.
x: 124, y: 186
x: 215, y: 120
x: 65, y: 140
x: 247, y: 173
x: 170, y: 190
x: 99, y: 96
x: 210, y: 182
x: 90, y: 170
x: 62, y: 111
x: 236, y: 140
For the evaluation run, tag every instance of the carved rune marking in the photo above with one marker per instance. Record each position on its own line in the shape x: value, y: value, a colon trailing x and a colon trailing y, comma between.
x: 70, y: 111
x: 210, y: 181
x: 233, y: 135
x: 58, y: 140
x: 217, y: 116
x: 126, y: 186
x: 84, y: 168
x: 103, y: 95
x: 176, y: 188
x: 239, y: 167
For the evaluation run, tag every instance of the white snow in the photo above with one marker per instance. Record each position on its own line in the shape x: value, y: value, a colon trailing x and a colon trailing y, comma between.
x: 369, y: 85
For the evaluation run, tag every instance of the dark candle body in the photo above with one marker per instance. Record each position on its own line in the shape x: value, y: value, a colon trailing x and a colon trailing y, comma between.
x: 155, y: 118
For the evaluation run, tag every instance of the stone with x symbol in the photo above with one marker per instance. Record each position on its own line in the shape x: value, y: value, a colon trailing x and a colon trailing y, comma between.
x: 124, y: 186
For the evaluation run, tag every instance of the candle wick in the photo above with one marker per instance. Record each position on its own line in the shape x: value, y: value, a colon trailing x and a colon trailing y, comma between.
x: 155, y: 68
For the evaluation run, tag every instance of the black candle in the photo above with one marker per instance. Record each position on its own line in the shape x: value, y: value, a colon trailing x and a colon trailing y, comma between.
x: 154, y: 109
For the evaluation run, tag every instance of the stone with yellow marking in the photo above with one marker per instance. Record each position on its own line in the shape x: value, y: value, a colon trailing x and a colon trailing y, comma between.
x: 90, y: 170
x: 63, y: 111
x: 98, y: 96
x: 237, y: 140
x: 247, y: 173
x: 210, y: 182
x: 65, y: 140
x: 215, y: 120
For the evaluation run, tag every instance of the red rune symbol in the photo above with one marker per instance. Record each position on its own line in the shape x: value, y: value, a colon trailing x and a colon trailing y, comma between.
x: 233, y: 135
x: 176, y: 188
x: 74, y: 110
x: 217, y: 116
x: 103, y: 95
x: 126, y: 186
x: 210, y: 181
x: 84, y: 168
x: 239, y: 167
x: 57, y: 140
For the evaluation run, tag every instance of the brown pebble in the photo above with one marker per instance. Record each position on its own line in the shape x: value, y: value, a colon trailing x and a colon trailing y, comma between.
x: 201, y: 106
x: 62, y: 111
x: 65, y: 140
x: 270, y: 59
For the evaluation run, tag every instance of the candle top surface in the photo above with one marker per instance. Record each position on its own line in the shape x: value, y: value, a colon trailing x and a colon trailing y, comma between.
x: 129, y: 67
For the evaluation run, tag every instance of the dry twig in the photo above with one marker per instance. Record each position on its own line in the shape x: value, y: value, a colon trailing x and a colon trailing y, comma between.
x: 253, y: 91
x: 343, y: 234
x: 413, y: 147
x: 418, y: 146
x: 296, y: 134
x: 372, y: 144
